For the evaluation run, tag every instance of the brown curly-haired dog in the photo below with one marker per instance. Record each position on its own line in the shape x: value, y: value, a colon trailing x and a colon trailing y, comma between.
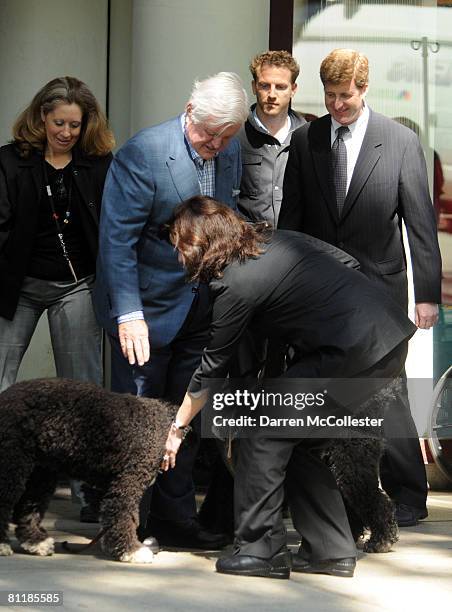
x: 112, y: 442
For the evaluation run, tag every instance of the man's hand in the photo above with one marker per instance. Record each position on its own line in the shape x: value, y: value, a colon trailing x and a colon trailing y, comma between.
x: 134, y: 341
x: 426, y: 315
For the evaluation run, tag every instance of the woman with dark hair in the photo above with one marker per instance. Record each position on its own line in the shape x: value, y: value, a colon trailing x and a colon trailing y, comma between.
x: 297, y: 288
x: 51, y: 182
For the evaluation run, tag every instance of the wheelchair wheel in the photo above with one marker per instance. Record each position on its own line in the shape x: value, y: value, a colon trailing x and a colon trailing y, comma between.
x: 440, y: 425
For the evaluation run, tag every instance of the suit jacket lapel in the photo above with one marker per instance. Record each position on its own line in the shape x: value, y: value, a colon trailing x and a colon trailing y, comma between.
x: 367, y: 159
x: 29, y: 197
x: 80, y: 173
x: 180, y: 165
x: 36, y: 169
x: 320, y: 145
x: 35, y: 166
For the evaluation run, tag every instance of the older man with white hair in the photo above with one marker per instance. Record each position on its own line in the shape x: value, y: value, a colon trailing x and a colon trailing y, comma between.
x: 158, y: 323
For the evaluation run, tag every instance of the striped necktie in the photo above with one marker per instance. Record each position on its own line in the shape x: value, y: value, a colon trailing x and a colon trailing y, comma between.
x: 339, y: 159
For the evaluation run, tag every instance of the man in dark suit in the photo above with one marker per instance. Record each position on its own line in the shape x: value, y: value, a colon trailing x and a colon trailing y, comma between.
x: 157, y: 323
x: 351, y: 179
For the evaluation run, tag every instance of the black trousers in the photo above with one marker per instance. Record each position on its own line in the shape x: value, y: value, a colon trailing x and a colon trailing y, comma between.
x: 265, y: 465
x: 167, y: 375
x: 402, y: 470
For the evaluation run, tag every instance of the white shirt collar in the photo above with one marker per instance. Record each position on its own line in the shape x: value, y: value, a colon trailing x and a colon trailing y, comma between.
x: 262, y: 126
x: 363, y: 118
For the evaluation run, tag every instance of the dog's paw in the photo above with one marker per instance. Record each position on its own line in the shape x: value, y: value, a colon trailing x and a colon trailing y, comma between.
x: 142, y: 555
x: 42, y: 549
x: 362, y: 540
x: 377, y: 547
x: 5, y: 549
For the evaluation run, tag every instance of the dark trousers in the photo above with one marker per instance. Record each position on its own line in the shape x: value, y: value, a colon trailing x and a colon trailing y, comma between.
x: 167, y: 375
x: 317, y: 508
x: 402, y: 470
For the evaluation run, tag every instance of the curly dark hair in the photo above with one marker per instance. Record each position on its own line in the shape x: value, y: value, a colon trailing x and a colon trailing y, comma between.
x: 210, y: 235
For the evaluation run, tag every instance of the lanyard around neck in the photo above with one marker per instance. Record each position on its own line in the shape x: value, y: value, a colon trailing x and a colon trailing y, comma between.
x: 59, y: 230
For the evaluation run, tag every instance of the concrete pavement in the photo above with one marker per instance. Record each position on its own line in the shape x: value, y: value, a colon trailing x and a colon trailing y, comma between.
x: 416, y: 576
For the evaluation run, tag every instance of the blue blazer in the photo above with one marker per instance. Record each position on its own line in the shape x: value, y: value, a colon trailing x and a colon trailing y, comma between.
x: 136, y: 268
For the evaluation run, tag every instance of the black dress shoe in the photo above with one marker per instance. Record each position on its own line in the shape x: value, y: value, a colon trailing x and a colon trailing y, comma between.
x: 409, y: 516
x: 333, y: 567
x: 186, y: 534
x: 277, y: 566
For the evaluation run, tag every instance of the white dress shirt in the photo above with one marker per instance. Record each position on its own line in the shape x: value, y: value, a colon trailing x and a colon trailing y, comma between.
x: 353, y: 139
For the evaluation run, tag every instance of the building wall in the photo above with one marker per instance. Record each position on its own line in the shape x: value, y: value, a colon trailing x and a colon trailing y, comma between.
x: 177, y: 41
x: 45, y: 39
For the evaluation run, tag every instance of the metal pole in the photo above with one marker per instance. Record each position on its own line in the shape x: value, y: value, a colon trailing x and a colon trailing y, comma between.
x: 424, y: 43
x: 434, y: 48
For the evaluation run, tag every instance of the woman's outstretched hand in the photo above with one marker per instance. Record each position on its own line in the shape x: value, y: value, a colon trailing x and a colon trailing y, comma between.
x: 173, y: 442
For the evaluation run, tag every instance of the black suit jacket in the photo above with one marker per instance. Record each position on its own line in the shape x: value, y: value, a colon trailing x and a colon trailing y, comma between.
x: 389, y: 183
x: 21, y: 187
x: 299, y: 293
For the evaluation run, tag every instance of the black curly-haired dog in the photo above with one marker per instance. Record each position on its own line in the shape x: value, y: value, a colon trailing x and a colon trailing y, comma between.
x: 355, y: 463
x: 371, y: 513
x: 112, y: 442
